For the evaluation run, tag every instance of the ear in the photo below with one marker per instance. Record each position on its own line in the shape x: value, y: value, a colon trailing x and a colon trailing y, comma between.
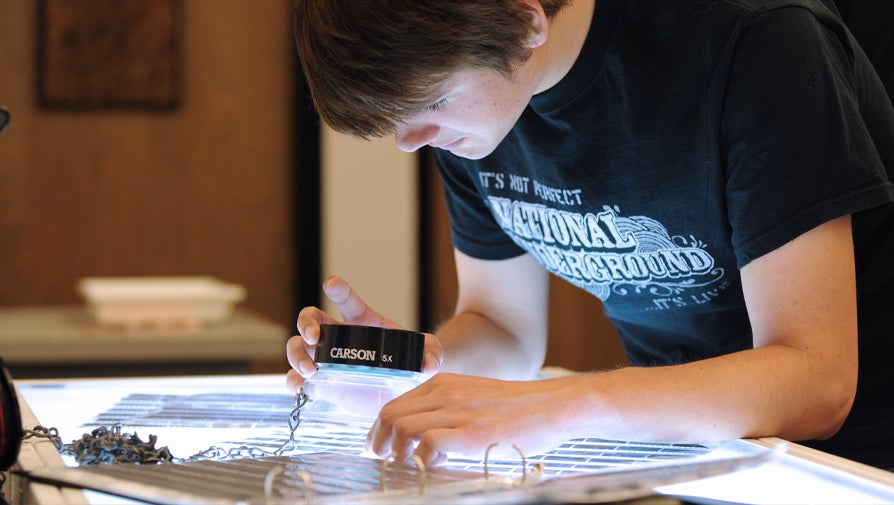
x: 539, y: 23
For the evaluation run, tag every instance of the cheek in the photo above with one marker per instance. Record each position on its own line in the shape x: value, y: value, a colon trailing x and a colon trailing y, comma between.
x: 506, y: 107
x: 492, y: 112
x: 487, y: 116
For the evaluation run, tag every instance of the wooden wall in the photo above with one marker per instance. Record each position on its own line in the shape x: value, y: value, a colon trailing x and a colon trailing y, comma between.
x: 204, y: 189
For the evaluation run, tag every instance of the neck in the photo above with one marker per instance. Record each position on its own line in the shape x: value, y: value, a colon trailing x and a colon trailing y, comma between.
x: 567, y: 33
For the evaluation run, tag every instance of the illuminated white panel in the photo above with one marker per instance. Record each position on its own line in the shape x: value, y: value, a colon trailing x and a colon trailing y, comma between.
x: 793, y: 480
x: 170, y: 406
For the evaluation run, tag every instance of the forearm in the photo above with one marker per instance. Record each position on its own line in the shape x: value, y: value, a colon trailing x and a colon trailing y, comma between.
x: 475, y: 345
x: 798, y: 382
x: 770, y: 391
x: 500, y: 322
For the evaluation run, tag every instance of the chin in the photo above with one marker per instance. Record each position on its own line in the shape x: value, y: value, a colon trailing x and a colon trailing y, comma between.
x: 472, y: 152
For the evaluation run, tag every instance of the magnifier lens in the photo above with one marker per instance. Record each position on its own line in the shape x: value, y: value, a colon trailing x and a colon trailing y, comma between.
x: 361, y: 368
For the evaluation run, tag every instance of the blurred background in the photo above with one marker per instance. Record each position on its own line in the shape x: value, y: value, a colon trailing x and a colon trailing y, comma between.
x: 176, y: 138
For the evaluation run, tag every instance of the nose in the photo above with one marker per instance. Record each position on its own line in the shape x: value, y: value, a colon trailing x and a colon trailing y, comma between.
x: 411, y: 137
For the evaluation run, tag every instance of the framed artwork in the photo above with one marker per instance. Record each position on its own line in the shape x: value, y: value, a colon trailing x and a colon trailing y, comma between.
x: 106, y: 54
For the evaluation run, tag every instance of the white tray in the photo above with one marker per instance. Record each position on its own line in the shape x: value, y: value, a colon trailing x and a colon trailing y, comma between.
x: 159, y: 300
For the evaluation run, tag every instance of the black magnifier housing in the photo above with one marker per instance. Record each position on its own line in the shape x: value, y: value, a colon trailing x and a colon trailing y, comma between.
x: 4, y: 119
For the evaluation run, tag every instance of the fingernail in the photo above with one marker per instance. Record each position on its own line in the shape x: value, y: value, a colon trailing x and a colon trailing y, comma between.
x: 430, y: 362
x: 308, y: 368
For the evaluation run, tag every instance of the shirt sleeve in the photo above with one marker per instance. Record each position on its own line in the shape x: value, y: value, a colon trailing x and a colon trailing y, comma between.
x: 798, y: 150
x: 473, y: 229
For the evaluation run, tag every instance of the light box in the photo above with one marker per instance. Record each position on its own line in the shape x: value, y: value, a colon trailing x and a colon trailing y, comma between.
x: 189, y: 415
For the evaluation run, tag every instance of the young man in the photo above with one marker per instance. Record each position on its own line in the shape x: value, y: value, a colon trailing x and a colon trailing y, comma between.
x: 717, y: 173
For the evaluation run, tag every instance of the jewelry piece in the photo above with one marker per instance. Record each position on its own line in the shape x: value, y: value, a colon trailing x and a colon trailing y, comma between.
x: 109, y: 445
x: 301, y: 400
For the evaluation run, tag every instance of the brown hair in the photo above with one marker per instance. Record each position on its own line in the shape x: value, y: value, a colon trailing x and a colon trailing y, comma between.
x: 370, y: 63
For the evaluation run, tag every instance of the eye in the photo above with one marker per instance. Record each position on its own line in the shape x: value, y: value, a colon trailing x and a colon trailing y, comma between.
x: 437, y: 105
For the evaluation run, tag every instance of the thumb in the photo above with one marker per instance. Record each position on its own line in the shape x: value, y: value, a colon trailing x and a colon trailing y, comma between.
x: 433, y: 355
x: 352, y: 307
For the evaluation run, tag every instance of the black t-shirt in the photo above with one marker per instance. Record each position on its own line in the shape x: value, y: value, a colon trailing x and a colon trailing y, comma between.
x: 689, y: 138
x: 872, y: 23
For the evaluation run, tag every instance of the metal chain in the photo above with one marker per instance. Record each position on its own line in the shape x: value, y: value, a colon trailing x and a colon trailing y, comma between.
x: 301, y: 400
x: 108, y: 445
x: 52, y: 434
x: 291, y: 444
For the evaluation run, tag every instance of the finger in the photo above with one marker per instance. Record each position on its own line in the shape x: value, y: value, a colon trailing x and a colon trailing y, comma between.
x: 434, y: 355
x: 378, y: 441
x: 309, y: 321
x: 420, y: 400
x: 430, y: 364
x: 440, y: 459
x: 432, y: 444
x: 294, y: 381
x: 301, y: 356
x: 403, y: 447
x: 405, y: 434
x: 435, y: 444
x: 401, y: 424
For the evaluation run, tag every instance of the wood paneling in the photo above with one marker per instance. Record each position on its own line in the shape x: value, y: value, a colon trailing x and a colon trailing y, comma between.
x: 581, y: 338
x: 201, y: 190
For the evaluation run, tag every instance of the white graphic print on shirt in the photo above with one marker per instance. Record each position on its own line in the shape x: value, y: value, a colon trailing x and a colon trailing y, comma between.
x: 606, y: 253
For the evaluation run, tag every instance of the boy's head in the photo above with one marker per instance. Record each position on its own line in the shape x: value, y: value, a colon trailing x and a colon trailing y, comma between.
x: 371, y: 63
